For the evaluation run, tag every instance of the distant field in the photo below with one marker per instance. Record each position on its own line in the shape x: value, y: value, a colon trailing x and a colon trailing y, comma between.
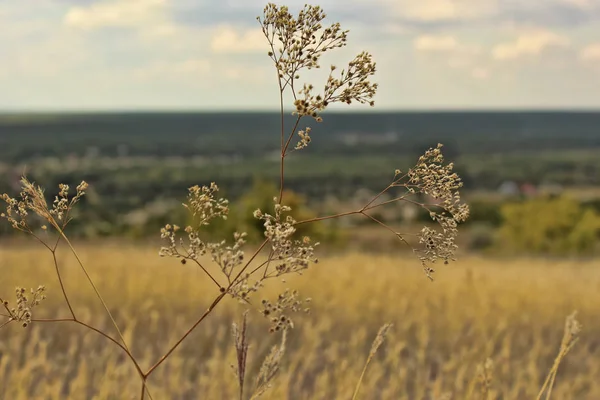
x: 510, y: 310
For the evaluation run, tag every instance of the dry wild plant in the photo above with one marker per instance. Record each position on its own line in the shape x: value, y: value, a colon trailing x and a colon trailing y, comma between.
x: 296, y: 44
x: 570, y: 337
x: 484, y: 375
x: 377, y: 342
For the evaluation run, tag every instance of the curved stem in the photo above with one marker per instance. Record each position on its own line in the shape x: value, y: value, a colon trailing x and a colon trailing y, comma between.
x: 377, y: 196
x: 185, y: 335
x: 89, y: 278
x: 216, y: 301
x: 62, y: 286
x: 98, y: 331
x: 264, y: 243
x: 281, y: 173
x: 310, y: 220
x: 143, y: 391
x: 207, y: 273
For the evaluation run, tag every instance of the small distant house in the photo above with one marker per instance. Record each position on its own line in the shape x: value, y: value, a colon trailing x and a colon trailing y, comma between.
x: 368, y: 138
x: 509, y: 188
x: 528, y: 190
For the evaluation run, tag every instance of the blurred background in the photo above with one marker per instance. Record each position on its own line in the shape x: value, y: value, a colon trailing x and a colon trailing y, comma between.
x: 145, y: 98
x: 531, y: 178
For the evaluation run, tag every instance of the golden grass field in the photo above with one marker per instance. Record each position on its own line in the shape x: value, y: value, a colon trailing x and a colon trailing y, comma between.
x: 510, y: 310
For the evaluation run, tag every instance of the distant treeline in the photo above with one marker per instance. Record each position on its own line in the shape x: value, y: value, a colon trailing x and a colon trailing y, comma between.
x: 23, y: 137
x: 144, y: 161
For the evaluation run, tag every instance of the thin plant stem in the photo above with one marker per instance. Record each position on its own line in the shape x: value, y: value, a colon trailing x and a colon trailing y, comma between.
x: 100, y: 332
x: 374, y: 347
x: 310, y: 220
x: 124, y: 346
x: 360, y: 379
x: 10, y: 314
x: 143, y: 390
x: 91, y: 281
x: 264, y: 243
x: 385, y: 226
x: 549, y: 382
x: 204, y: 315
x: 289, y: 140
x: 62, y: 286
x: 371, y: 206
x: 377, y: 196
x: 282, y: 165
x: 185, y: 335
x: 207, y: 273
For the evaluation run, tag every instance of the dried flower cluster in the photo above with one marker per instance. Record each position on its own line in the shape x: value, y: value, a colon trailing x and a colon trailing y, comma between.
x: 287, y: 255
x: 352, y: 85
x: 62, y: 205
x: 228, y: 258
x: 437, y: 180
x: 571, y: 332
x: 304, y: 139
x: 278, y: 312
x: 302, y: 41
x: 431, y: 177
x: 23, y: 310
x: 203, y: 204
x: 31, y: 198
x: 485, y: 373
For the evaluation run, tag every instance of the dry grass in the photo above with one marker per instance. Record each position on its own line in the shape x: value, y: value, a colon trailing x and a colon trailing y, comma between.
x: 510, y: 311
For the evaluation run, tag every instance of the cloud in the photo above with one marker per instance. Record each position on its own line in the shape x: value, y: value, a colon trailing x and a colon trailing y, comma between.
x: 529, y: 44
x: 435, y: 43
x: 429, y: 16
x: 116, y: 13
x: 447, y: 51
x: 226, y: 39
x: 206, y: 53
x: 443, y: 10
x: 590, y: 52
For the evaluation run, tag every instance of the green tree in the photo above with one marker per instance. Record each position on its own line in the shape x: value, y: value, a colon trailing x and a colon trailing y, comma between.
x: 261, y: 196
x: 557, y: 226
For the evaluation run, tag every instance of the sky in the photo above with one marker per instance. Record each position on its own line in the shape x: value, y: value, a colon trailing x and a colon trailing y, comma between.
x: 211, y: 55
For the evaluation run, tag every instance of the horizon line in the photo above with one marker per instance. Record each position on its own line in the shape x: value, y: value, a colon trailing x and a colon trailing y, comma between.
x: 277, y: 111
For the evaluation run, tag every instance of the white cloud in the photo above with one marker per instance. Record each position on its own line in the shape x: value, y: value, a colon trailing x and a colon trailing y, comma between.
x: 227, y: 39
x: 529, y: 44
x: 583, y: 4
x: 67, y: 54
x: 116, y: 13
x: 590, y: 52
x: 442, y: 10
x: 447, y: 50
x: 435, y: 43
